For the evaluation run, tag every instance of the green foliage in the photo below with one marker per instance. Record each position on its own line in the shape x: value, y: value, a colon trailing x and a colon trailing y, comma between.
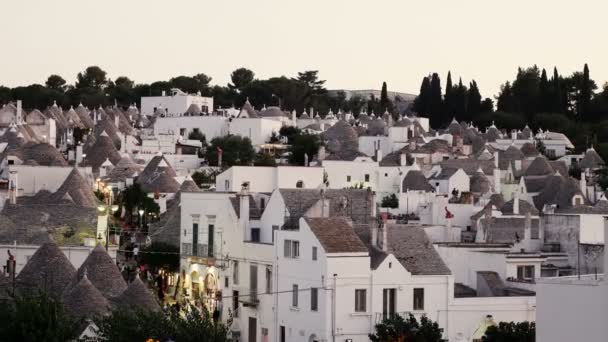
x: 133, y: 197
x: 236, y: 150
x: 92, y: 77
x: 164, y: 256
x: 36, y: 318
x: 303, y: 144
x: 129, y: 326
x: 390, y: 201
x: 241, y: 78
x: 264, y: 159
x: 289, y: 132
x: 397, y: 328
x: 203, y: 177
x: 55, y: 82
x: 511, y: 332
x: 198, y: 135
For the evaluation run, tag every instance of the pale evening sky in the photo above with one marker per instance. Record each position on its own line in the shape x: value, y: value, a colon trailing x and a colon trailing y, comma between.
x: 354, y: 44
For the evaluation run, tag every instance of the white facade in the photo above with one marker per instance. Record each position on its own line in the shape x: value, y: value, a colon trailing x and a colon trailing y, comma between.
x: 267, y: 179
x: 22, y: 253
x: 459, y: 181
x: 175, y: 104
x: 345, y: 174
x: 211, y: 126
x: 258, y: 130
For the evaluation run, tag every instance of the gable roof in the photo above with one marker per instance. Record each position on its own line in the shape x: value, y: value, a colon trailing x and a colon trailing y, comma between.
x: 336, y: 235
x: 411, y: 246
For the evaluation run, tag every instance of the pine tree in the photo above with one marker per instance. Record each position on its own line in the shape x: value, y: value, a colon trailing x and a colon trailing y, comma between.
x: 423, y: 100
x: 506, y: 101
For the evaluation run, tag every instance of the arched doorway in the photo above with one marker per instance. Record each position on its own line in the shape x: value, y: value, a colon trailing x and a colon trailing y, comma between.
x: 211, y: 291
x: 195, y: 285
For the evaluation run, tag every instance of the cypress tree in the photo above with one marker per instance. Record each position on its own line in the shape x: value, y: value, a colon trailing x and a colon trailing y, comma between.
x: 436, y: 102
x: 460, y: 102
x: 474, y: 101
x: 384, y: 102
x: 559, y: 98
x: 506, y: 100
x: 545, y: 98
x: 584, y: 100
x: 422, y: 101
x: 448, y: 98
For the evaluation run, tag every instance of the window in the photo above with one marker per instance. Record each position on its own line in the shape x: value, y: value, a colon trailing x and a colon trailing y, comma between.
x: 419, y: 299
x: 299, y: 184
x: 360, y: 300
x: 386, y: 175
x: 268, y: 280
x: 210, y: 240
x: 226, y: 185
x: 389, y: 302
x: 226, y: 282
x: 195, y: 239
x: 291, y: 249
x: 525, y: 273
x: 235, y: 272
x: 367, y: 177
x: 314, y: 299
x: 294, y: 296
x: 348, y: 178
x: 283, y: 335
x: 262, y: 203
x: 235, y: 303
x: 255, y: 234
x: 253, y: 283
x: 314, y: 253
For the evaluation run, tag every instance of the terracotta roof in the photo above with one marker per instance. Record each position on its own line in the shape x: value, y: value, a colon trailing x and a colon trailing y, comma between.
x: 336, y: 235
x: 415, y: 180
x: 102, y: 272
x: 48, y: 270
x: 85, y: 301
x: 137, y: 296
x: 415, y: 252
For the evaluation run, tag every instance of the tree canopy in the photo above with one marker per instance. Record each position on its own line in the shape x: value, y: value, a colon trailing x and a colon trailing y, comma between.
x: 235, y: 150
x: 510, y: 331
x: 397, y: 328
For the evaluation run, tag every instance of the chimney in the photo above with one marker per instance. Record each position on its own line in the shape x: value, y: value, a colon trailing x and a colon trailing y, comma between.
x: 164, y: 93
x: 293, y: 116
x: 13, y: 186
x: 374, y: 241
x: 19, y: 112
x: 513, y: 134
x: 516, y: 203
x: 385, y: 238
x: 496, y: 180
x: 321, y: 153
x: 496, y: 159
x: 528, y: 229
x: 412, y: 145
x: 78, y: 154
x: 583, y: 184
x: 448, y: 229
x: 244, y: 208
x: 378, y: 155
x: 402, y: 159
x: 116, y: 121
x: 306, y: 159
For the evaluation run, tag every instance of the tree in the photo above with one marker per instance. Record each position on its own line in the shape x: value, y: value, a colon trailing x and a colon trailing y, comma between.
x: 236, y: 150
x: 384, y: 101
x: 396, y: 328
x: 198, y: 135
x: 303, y: 144
x: 55, y: 82
x: 473, y: 101
x: 448, y: 98
x: 289, y: 132
x: 161, y: 255
x: 311, y: 79
x: 545, y: 93
x: 460, y: 103
x: 422, y: 103
x: 241, y: 78
x: 92, y: 77
x: 36, y: 318
x: 436, y: 113
x: 127, y: 325
x: 203, y: 177
x: 506, y: 100
x: 390, y: 201
x: 264, y: 159
x: 134, y: 198
x: 510, y: 331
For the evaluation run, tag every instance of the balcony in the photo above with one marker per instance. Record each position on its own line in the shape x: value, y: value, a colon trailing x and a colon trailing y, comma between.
x: 198, y: 250
x: 379, y: 316
x: 251, y: 300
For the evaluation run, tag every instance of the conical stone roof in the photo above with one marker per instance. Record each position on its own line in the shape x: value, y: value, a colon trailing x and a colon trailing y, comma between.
x: 77, y: 189
x: 159, y: 176
x: 539, y: 167
x: 102, y: 149
x: 85, y: 301
x: 103, y: 273
x: 48, y: 270
x: 137, y: 297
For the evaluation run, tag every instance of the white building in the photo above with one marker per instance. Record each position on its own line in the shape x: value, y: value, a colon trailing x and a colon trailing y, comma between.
x: 175, y: 104
x: 268, y: 179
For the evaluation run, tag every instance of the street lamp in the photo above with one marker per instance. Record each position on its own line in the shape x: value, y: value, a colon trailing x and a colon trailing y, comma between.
x: 141, y: 213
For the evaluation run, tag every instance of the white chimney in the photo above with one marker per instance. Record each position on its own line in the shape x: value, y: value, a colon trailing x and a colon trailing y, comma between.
x: 78, y: 154
x: 497, y: 187
x: 514, y: 134
x: 306, y: 159
x: 164, y: 93
x: 294, y: 117
x: 116, y: 121
x: 412, y: 145
x: 378, y: 155
x: 321, y: 153
x: 244, y: 209
x: 496, y: 159
x: 448, y: 229
x: 385, y: 238
x: 19, y: 112
x: 374, y: 241
x: 516, y: 203
x: 402, y: 159
x: 541, y: 230
x: 528, y: 229
x: 13, y: 186
x: 583, y: 184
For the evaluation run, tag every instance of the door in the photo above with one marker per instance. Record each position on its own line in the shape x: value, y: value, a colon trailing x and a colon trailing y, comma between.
x: 283, y: 334
x: 252, y: 329
x: 388, y: 302
x: 210, y: 240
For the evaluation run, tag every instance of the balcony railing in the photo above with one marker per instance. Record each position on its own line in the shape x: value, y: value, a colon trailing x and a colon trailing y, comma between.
x: 380, y: 316
x: 198, y: 250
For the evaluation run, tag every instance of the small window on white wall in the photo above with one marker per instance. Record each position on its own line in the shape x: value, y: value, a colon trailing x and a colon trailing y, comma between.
x: 299, y: 184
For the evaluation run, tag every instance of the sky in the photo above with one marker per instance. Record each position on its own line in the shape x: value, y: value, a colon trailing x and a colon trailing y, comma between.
x: 354, y: 44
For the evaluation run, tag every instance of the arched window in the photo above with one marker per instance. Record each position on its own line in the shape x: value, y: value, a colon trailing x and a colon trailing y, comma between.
x: 299, y: 184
